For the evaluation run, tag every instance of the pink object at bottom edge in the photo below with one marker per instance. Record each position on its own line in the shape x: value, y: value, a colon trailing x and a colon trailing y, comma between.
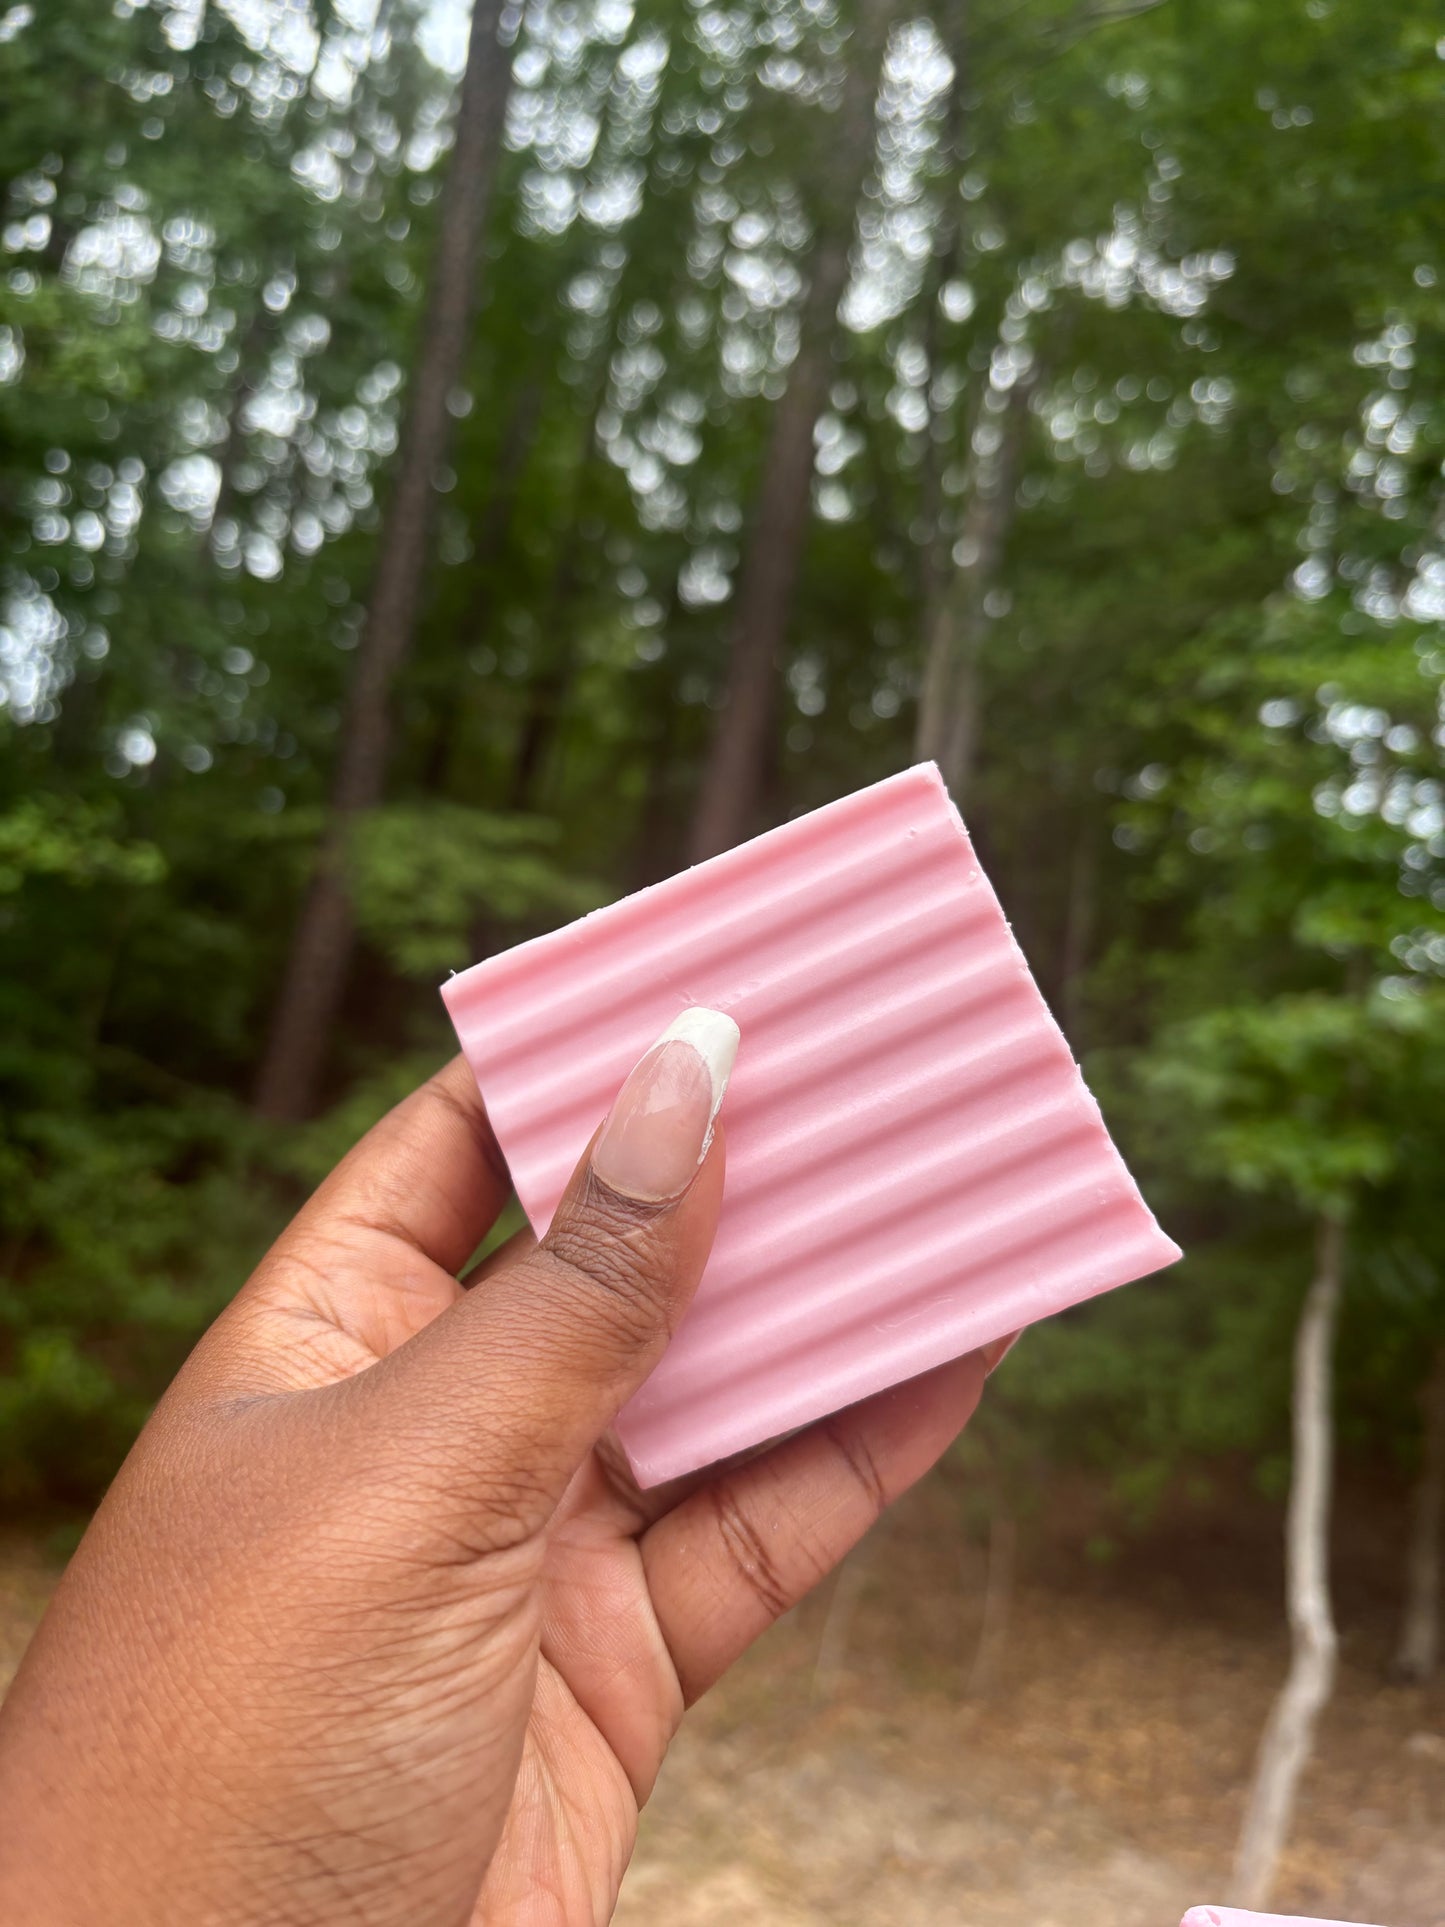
x: 1236, y: 1917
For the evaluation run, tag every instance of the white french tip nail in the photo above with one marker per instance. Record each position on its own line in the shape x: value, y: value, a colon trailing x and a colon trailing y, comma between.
x: 715, y: 1038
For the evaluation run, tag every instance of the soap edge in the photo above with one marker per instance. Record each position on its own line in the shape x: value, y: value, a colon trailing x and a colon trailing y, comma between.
x: 658, y: 1469
x: 454, y: 990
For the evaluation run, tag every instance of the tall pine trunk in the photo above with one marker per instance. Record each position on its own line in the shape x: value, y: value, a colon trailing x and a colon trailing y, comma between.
x: 956, y: 626
x: 733, y: 774
x: 493, y: 532
x: 227, y: 453
x: 998, y: 1587
x: 1288, y: 1740
x: 552, y: 682
x: 1080, y: 916
x: 549, y: 689
x: 315, y: 974
x: 1418, y: 1652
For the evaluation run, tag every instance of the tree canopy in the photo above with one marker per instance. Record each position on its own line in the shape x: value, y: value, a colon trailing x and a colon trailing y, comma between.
x: 1053, y: 387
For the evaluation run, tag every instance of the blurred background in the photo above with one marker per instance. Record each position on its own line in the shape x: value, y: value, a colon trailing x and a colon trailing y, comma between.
x: 455, y: 468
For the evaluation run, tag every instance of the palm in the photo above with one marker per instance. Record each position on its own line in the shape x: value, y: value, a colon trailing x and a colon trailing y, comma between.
x: 642, y: 1599
x: 607, y: 1703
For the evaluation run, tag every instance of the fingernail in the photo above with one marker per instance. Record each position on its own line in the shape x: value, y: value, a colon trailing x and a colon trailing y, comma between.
x: 658, y: 1131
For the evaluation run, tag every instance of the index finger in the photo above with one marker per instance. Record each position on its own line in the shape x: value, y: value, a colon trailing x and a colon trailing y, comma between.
x: 430, y: 1173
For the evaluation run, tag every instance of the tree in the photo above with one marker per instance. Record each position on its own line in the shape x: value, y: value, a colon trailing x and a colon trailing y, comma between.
x: 316, y: 966
x: 733, y: 772
x: 1288, y: 1738
x: 948, y: 703
x: 1417, y: 1652
x: 1294, y: 1091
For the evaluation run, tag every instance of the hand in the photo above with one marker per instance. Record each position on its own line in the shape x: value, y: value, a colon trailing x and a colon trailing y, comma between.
x: 374, y: 1626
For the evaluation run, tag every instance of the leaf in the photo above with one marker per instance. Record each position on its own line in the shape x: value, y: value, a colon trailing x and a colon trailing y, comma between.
x: 423, y: 875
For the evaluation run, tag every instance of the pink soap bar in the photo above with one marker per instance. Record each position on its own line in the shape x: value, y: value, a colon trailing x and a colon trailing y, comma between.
x: 914, y: 1166
x: 1232, y: 1917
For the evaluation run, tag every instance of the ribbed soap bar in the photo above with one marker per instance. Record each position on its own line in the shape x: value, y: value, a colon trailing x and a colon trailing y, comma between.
x: 1232, y: 1917
x: 914, y: 1166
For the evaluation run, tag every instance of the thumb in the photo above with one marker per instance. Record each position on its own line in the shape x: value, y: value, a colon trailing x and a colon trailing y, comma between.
x: 516, y: 1383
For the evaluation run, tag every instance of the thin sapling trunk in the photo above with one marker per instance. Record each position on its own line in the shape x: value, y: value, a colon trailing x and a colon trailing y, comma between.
x: 1289, y: 1735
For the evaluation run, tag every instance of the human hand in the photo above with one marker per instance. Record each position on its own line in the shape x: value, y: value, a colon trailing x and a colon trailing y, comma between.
x: 374, y: 1626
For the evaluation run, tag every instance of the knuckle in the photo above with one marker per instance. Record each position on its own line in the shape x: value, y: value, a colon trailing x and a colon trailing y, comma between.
x: 451, y: 1487
x: 613, y: 1268
x: 459, y: 1517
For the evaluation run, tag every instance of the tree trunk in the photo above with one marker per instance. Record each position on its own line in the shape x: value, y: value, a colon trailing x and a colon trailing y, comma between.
x: 495, y: 529
x: 493, y: 533
x: 732, y: 776
x: 935, y: 562
x: 1418, y: 1651
x: 849, y: 1586
x: 547, y: 694
x: 1289, y: 1735
x: 654, y: 845
x: 321, y: 948
x: 57, y: 244
x: 998, y: 1594
x: 948, y: 704
x: 228, y: 450
x: 1079, y: 921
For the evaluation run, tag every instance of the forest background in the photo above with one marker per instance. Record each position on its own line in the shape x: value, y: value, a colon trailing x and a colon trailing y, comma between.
x: 456, y: 466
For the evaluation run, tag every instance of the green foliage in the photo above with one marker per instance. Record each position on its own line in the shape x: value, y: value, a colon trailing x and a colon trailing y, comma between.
x: 122, y: 1246
x: 59, y: 836
x: 1210, y: 658
x: 1279, y: 1095
x: 421, y: 871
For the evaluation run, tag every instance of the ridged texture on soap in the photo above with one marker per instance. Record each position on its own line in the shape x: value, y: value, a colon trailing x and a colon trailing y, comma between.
x: 1233, y: 1917
x: 914, y: 1166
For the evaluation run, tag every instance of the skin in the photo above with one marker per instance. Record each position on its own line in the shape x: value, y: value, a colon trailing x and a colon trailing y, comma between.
x: 373, y: 1626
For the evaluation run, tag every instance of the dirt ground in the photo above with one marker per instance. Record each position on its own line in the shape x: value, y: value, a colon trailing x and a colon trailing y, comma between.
x: 857, y: 1770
